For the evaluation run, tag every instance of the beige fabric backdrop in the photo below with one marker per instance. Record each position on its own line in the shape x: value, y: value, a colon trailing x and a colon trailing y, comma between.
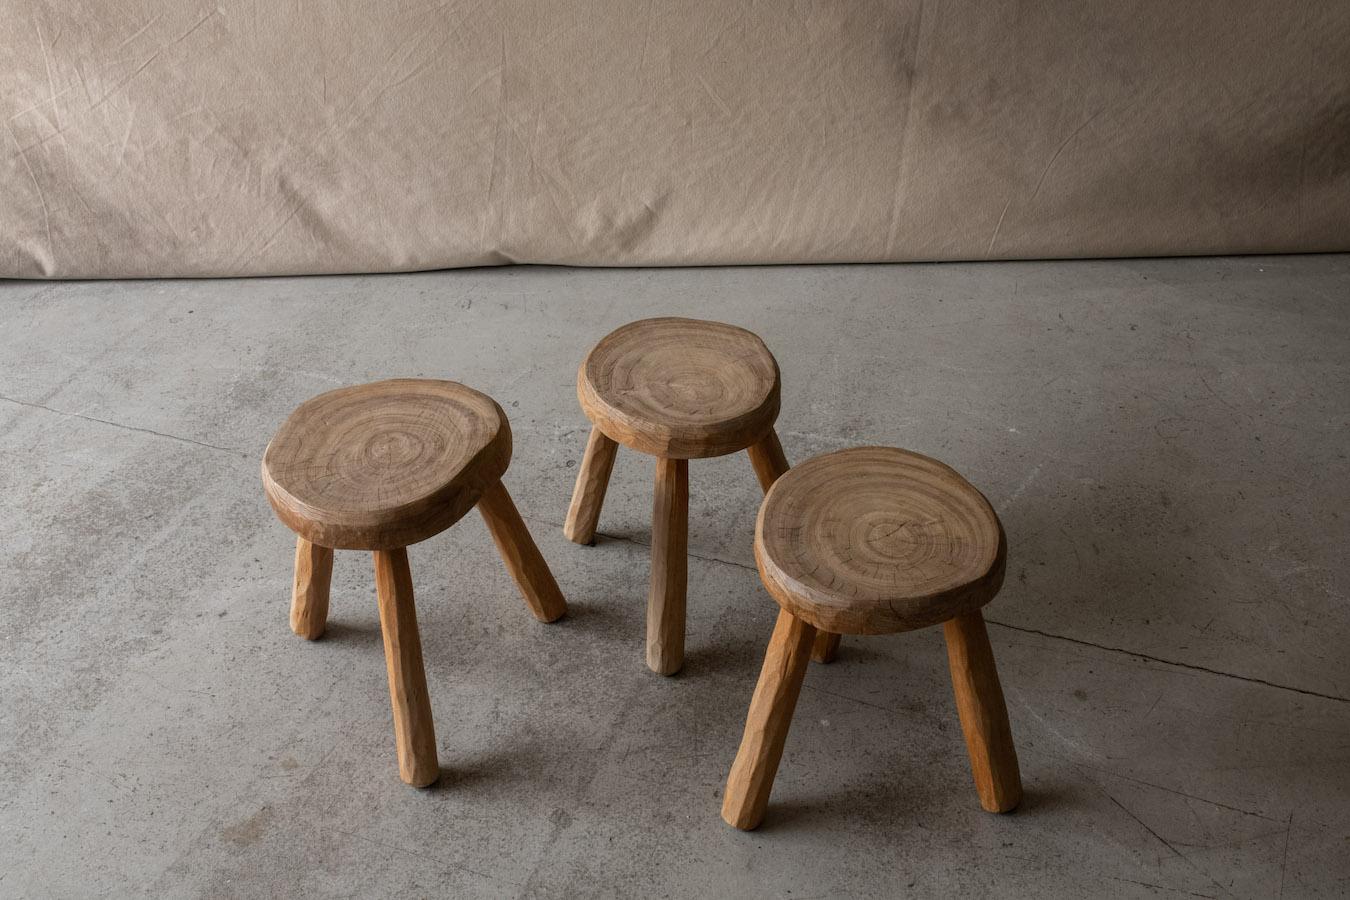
x: 149, y: 137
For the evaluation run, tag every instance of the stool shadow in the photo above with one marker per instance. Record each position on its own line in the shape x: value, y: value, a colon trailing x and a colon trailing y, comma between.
x: 586, y: 613
x: 492, y: 770
x: 637, y: 537
x: 1042, y: 799
x: 601, y: 621
x: 802, y: 815
x: 720, y: 658
x: 340, y: 632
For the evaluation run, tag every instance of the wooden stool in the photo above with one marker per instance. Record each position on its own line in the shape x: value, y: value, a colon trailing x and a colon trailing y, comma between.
x: 876, y: 540
x: 677, y: 389
x: 381, y: 466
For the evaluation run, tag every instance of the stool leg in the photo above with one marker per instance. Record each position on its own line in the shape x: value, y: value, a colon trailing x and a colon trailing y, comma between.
x: 766, y: 725
x: 826, y: 646
x: 309, y: 599
x: 670, y: 544
x: 770, y: 461
x: 521, y: 554
x: 984, y: 717
x: 413, y: 728
x: 589, y: 495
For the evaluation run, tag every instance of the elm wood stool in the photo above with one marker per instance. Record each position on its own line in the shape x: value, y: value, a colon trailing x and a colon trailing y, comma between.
x: 379, y: 467
x: 875, y: 540
x: 677, y: 389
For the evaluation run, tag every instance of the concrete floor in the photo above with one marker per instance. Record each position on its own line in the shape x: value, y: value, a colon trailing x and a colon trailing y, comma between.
x: 1165, y: 441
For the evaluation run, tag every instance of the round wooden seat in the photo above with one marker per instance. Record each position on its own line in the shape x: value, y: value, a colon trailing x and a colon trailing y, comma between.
x: 681, y: 388
x: 384, y: 465
x: 873, y: 540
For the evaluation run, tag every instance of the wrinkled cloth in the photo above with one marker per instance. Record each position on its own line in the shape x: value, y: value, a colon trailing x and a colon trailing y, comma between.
x: 190, y: 138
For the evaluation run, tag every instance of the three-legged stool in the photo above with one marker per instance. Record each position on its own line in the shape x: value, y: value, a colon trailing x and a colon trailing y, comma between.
x: 875, y: 540
x: 677, y: 389
x: 379, y: 467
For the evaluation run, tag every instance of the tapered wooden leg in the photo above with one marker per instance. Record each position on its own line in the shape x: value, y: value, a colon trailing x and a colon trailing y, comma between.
x: 670, y: 544
x: 768, y: 459
x: 984, y: 717
x: 309, y: 599
x: 825, y: 647
x: 521, y: 554
x: 413, y: 729
x: 766, y: 725
x: 589, y: 495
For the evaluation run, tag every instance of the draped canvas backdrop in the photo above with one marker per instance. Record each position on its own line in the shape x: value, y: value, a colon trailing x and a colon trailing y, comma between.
x: 149, y: 137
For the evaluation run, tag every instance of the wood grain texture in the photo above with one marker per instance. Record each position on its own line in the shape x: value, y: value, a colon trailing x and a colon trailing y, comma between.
x: 583, y: 516
x: 309, y: 598
x: 521, y: 555
x: 384, y: 465
x: 680, y: 388
x: 414, y: 732
x: 670, y: 539
x: 984, y: 715
x: 767, y: 723
x: 874, y: 540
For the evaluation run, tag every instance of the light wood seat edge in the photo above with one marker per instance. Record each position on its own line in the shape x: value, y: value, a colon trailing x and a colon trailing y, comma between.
x: 403, y: 525
x: 688, y: 442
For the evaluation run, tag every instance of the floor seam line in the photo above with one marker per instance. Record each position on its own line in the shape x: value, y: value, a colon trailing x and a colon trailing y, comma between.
x: 173, y: 437
x: 1251, y: 679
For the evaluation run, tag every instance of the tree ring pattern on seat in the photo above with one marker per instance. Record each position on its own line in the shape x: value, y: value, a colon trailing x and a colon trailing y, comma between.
x: 681, y: 388
x: 873, y: 540
x: 385, y: 465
